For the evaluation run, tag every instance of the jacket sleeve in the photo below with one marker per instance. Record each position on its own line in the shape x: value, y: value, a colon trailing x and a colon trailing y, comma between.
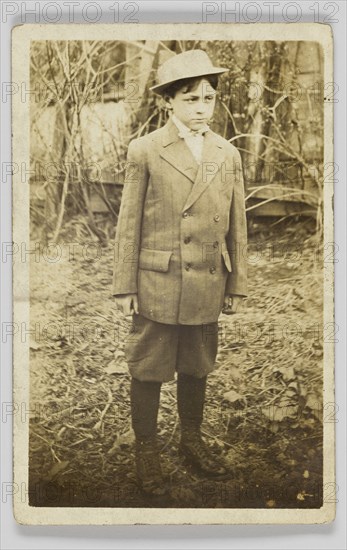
x: 128, y: 232
x: 237, y: 235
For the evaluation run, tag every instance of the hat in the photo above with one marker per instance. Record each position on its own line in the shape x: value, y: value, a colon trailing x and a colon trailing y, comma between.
x: 189, y: 64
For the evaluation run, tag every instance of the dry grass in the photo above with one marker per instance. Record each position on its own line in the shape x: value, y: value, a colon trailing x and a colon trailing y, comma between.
x: 263, y: 402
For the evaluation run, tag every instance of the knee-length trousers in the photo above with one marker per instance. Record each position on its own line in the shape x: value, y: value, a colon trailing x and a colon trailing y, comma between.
x: 156, y: 351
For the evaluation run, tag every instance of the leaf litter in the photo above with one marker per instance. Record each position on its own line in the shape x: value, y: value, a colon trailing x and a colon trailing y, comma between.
x: 263, y: 405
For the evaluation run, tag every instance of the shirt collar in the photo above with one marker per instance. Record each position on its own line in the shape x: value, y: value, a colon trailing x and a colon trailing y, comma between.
x: 184, y: 131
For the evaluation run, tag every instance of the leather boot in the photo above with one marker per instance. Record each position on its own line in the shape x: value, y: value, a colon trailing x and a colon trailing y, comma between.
x: 190, y: 401
x: 144, y: 398
x: 148, y: 468
x: 199, y: 455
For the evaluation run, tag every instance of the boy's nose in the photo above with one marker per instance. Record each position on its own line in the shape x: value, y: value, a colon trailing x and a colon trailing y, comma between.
x: 200, y: 108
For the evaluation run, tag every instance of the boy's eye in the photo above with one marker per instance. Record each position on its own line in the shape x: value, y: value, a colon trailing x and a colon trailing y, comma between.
x: 205, y: 99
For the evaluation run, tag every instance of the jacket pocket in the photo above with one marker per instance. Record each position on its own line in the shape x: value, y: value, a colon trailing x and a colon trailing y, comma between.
x: 227, y: 261
x: 154, y: 260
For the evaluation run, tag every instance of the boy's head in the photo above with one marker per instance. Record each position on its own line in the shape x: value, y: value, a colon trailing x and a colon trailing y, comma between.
x: 192, y: 100
x: 188, y: 83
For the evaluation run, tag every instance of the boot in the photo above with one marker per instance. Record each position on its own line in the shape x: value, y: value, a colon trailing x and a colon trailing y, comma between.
x: 144, y: 397
x: 149, y: 474
x: 199, y: 455
x: 190, y: 401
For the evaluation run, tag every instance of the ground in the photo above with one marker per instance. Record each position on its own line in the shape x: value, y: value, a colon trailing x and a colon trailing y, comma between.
x: 264, y: 409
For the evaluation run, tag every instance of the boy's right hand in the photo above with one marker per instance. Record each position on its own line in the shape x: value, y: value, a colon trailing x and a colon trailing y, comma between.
x: 127, y: 303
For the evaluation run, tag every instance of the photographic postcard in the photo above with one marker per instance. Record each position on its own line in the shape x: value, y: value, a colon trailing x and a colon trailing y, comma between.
x: 173, y: 274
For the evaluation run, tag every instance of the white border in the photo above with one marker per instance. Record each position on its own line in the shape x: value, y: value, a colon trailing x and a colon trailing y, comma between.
x: 22, y: 37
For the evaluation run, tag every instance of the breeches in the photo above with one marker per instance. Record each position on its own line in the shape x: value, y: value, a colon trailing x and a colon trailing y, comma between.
x: 155, y: 351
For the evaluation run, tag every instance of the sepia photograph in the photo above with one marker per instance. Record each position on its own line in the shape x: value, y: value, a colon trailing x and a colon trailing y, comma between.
x: 173, y: 273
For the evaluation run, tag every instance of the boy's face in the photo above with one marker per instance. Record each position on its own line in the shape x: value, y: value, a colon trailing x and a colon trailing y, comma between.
x: 194, y: 108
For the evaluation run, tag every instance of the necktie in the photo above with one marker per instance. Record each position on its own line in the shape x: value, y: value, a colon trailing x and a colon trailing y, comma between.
x: 193, y: 133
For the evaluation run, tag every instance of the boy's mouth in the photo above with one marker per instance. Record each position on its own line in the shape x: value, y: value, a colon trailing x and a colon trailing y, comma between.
x: 198, y: 121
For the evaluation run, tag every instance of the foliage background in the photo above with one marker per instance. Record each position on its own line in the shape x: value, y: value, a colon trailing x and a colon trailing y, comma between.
x: 92, y: 98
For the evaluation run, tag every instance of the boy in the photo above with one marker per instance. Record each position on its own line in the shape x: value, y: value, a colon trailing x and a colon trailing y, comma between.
x: 179, y: 259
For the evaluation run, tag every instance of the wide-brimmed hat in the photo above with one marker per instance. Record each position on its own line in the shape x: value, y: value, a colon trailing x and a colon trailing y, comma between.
x: 188, y: 64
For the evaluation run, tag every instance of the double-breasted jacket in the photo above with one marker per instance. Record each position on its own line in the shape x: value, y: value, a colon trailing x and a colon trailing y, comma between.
x: 181, y: 236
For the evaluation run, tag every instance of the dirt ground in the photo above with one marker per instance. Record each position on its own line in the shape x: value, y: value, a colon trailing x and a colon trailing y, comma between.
x: 264, y: 410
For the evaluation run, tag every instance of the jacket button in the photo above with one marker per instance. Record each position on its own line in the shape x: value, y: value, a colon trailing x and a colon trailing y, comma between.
x: 187, y: 240
x: 217, y: 218
x: 188, y: 266
x: 212, y: 270
x: 215, y: 244
x: 185, y: 215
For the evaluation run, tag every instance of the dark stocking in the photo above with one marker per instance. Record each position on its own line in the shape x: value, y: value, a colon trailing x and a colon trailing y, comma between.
x: 190, y: 400
x: 145, y: 397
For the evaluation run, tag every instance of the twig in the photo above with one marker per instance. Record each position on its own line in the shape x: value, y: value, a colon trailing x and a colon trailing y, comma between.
x: 98, y: 425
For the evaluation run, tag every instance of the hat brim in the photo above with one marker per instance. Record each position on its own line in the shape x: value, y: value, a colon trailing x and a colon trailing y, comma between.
x: 160, y: 88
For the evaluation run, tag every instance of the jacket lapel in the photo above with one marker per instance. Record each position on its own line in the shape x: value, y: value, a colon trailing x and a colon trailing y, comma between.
x: 176, y: 152
x: 212, y: 158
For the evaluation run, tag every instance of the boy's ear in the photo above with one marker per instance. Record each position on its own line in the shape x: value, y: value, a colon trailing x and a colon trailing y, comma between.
x: 167, y: 101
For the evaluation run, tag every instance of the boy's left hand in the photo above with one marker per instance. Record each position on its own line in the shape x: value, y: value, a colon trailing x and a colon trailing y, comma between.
x: 232, y: 304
